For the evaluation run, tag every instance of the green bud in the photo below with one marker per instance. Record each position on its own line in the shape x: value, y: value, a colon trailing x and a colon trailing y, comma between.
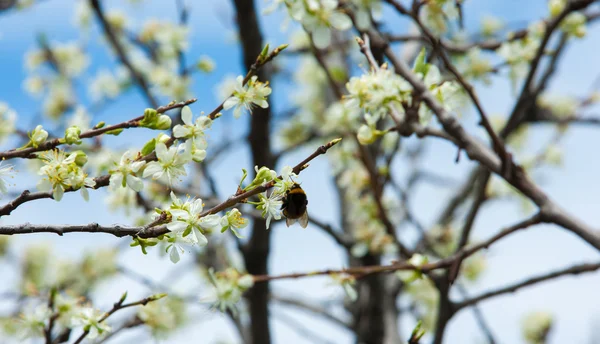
x: 206, y: 64
x: 150, y: 118
x: 157, y: 296
x: 123, y: 297
x: 163, y: 123
x: 335, y: 141
x: 338, y: 74
x: 163, y: 138
x: 417, y: 333
x: 100, y: 125
x: 264, y: 52
x: 38, y: 136
x: 368, y: 134
x: 150, y: 114
x: 114, y: 132
x: 556, y: 6
x: 263, y: 175
x: 72, y: 135
x: 280, y: 48
x: 149, y: 147
x: 81, y: 158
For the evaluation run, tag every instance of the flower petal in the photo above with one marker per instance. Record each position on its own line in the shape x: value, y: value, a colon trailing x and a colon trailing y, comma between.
x: 177, y: 226
x: 186, y: 115
x: 174, y: 254
x: 135, y: 183
x: 230, y: 102
x: 202, y: 241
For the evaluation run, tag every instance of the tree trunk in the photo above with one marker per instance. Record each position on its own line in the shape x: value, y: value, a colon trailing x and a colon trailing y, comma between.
x: 256, y: 253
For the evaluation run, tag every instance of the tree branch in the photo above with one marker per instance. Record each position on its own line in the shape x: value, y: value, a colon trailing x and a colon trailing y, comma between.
x: 122, y: 54
x: 116, y: 307
x: 573, y: 270
x: 132, y: 123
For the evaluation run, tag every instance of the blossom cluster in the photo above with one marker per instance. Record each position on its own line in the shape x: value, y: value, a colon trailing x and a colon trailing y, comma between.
x: 317, y: 17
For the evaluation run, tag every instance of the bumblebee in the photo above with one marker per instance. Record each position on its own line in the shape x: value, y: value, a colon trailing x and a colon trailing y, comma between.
x: 294, y: 206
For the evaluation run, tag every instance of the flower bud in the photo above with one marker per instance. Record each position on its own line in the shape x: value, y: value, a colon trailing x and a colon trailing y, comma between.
x: 72, y: 135
x: 556, y: 6
x: 367, y: 134
x: 206, y: 64
x: 163, y: 138
x: 263, y: 175
x: 38, y: 136
x: 163, y: 122
x: 80, y: 158
x: 246, y: 281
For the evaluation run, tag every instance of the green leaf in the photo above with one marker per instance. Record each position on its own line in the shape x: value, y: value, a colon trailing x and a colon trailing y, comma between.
x: 149, y: 147
x: 421, y: 65
x: 244, y: 175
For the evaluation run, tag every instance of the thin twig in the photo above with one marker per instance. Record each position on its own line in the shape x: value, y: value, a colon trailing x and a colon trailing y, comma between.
x: 573, y: 270
x: 116, y: 307
x: 132, y: 123
x: 362, y: 271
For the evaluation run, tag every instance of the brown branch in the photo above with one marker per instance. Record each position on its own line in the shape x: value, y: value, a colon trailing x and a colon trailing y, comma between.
x: 240, y: 197
x: 573, y: 270
x: 27, y: 196
x: 131, y: 323
x: 116, y: 307
x: 132, y: 123
x: 480, y: 198
x: 478, y: 152
x: 48, y: 329
x: 122, y: 54
x: 116, y: 230
x: 314, y: 309
x: 461, y: 48
x: 147, y: 231
x: 340, y: 237
x: 525, y: 99
x: 363, y: 271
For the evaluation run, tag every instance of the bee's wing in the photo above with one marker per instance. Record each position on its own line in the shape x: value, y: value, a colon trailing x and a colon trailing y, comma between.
x: 289, y: 221
x: 303, y: 220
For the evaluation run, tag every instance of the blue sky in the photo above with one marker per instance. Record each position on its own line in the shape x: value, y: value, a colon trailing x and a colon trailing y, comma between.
x: 573, y: 300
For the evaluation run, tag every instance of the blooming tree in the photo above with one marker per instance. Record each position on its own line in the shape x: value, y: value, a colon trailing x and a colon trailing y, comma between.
x: 367, y: 97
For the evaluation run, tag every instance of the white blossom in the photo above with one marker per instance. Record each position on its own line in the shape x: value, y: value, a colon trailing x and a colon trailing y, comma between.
x: 104, y: 86
x: 270, y: 206
x: 185, y: 218
x: 8, y: 117
x: 177, y: 243
x: 34, y: 85
x: 5, y: 171
x: 229, y: 286
x: 61, y: 172
x: 536, y: 326
x: 172, y: 39
x: 254, y: 93
x: 191, y: 129
x: 33, y: 321
x: 38, y: 136
x: 233, y: 221
x: 71, y: 58
x: 89, y: 318
x: 170, y: 165
x: 124, y: 172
